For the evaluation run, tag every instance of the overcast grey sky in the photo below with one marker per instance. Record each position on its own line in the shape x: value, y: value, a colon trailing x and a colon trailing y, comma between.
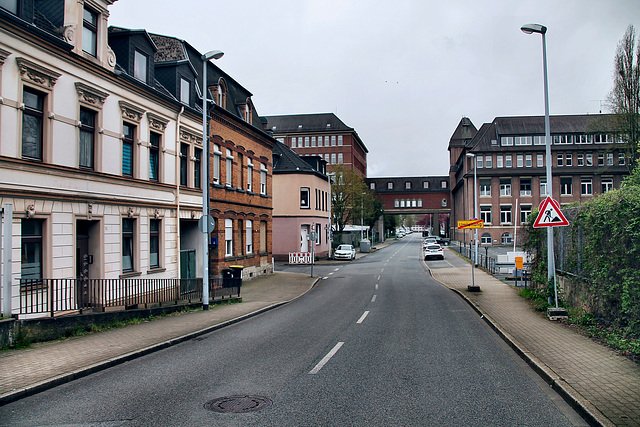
x: 404, y: 72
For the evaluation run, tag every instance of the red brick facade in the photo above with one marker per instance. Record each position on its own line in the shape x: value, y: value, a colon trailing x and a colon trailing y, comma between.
x: 241, y: 200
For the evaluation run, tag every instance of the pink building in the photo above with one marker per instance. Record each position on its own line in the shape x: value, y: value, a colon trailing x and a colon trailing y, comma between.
x: 301, y: 204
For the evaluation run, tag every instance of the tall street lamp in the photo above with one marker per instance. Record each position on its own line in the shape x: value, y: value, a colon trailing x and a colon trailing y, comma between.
x: 206, y: 229
x: 475, y: 215
x: 541, y: 29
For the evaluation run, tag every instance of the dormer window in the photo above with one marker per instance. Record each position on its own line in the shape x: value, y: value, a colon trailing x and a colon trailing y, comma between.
x: 140, y: 66
x: 185, y: 91
x: 90, y: 32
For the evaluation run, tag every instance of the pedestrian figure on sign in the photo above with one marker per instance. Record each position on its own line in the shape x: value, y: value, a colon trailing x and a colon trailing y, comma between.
x: 547, y: 216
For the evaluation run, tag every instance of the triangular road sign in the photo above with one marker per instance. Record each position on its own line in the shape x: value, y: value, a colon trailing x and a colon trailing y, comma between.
x: 550, y: 215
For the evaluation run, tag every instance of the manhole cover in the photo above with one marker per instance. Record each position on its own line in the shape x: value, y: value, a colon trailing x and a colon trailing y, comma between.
x: 237, y: 404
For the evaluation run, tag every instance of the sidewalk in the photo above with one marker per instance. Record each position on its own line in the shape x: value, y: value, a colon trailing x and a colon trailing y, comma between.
x: 602, y: 385
x: 46, y: 365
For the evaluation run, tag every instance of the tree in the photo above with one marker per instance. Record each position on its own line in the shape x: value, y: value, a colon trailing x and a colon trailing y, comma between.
x: 624, y: 98
x: 346, y: 197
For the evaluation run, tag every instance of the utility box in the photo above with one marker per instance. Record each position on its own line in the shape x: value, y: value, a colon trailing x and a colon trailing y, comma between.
x: 365, y: 246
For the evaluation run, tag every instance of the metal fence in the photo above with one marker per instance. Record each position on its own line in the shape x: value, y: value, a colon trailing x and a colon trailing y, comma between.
x: 59, y: 296
x: 489, y: 263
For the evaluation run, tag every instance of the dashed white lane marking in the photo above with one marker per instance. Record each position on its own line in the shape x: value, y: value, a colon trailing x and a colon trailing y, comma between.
x: 326, y: 358
x: 374, y: 298
x: 364, y: 316
x: 376, y: 286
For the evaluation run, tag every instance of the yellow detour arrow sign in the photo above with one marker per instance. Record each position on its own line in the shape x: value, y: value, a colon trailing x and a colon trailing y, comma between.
x: 474, y: 223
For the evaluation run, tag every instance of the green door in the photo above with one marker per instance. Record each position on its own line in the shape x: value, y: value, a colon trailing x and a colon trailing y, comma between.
x: 187, y: 271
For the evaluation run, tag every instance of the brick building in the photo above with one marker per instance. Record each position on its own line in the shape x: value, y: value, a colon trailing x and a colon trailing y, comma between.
x: 588, y: 159
x: 323, y: 135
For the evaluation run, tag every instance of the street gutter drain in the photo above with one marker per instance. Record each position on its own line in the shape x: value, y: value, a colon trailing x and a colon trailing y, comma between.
x: 238, y: 404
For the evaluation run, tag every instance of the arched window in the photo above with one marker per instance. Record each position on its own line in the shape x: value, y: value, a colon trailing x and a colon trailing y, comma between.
x: 485, y: 239
x: 222, y: 94
x: 507, y: 238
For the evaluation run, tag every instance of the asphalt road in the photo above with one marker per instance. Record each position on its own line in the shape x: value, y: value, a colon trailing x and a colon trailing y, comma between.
x: 376, y: 342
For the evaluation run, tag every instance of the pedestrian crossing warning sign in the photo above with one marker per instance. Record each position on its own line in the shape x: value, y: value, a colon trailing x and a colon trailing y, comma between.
x: 550, y: 215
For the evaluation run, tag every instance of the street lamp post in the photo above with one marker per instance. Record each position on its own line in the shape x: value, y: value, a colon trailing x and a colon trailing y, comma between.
x: 214, y: 54
x: 541, y: 29
x: 475, y: 215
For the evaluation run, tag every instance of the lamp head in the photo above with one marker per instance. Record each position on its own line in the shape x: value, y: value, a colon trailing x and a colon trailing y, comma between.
x: 212, y: 54
x: 533, y: 28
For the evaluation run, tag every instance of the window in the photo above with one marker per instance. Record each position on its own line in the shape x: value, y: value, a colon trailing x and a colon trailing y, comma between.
x: 539, y: 140
x: 389, y: 185
x: 10, y: 5
x: 519, y: 160
x: 216, y: 163
x: 229, y: 169
x: 407, y: 185
x: 540, y: 160
x: 293, y: 142
x: 505, y: 187
x: 560, y: 159
x: 396, y: 203
x: 306, y: 142
x: 607, y: 184
x: 90, y: 32
x: 140, y: 66
x: 228, y: 237
x: 249, y: 236
x: 568, y: 159
x: 154, y: 243
x: 249, y: 175
x: 621, y: 159
x: 339, y: 140
x: 240, y: 174
x: 32, y: 124
x: 263, y: 178
x: 86, y: 143
x: 559, y: 139
x: 128, y: 260
x: 600, y: 159
x: 485, y: 239
x: 508, y: 163
x: 543, y: 187
x: 507, y: 238
x: 522, y: 140
x: 525, y: 211
x: 402, y: 203
x: 488, y: 161
x: 485, y: 214
x: 443, y: 184
x: 589, y: 159
x: 586, y: 186
x: 184, y: 164
x: 185, y: 91
x: 31, y: 248
x: 333, y: 158
x: 525, y: 186
x: 372, y: 185
x: 580, y: 159
x: 304, y: 198
x: 425, y: 184
x: 479, y: 161
x: 128, y: 135
x: 340, y: 159
x: 506, y: 140
x: 333, y: 140
x: 197, y: 167
x: 154, y: 156
x: 499, y: 161
x: 565, y: 187
x: 528, y: 161
x: 609, y: 159
x: 505, y: 215
x: 485, y: 187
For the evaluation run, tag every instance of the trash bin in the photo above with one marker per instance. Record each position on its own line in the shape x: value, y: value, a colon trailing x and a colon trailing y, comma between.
x: 227, y: 278
x: 365, y: 246
x: 236, y: 274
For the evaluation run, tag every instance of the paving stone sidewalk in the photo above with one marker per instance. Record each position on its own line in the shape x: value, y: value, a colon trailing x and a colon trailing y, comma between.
x: 602, y: 383
x: 42, y: 366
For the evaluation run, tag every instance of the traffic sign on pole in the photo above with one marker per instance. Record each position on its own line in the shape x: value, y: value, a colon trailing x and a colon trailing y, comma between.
x: 473, y: 223
x: 550, y: 215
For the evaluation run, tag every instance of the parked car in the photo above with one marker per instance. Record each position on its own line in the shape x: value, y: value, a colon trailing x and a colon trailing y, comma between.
x: 345, y: 252
x: 433, y: 251
x: 442, y: 241
x: 431, y: 240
